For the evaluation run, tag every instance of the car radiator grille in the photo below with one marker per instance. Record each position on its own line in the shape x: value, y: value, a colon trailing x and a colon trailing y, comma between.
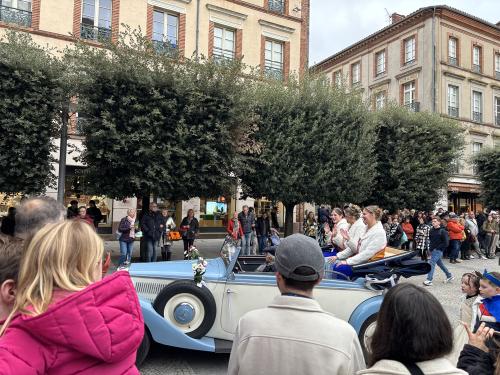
x: 149, y: 288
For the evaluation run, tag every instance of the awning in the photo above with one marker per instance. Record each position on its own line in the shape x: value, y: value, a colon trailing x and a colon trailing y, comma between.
x: 457, y: 187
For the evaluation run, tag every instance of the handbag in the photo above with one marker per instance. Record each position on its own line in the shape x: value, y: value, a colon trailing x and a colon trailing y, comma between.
x: 174, y: 235
x: 404, y: 238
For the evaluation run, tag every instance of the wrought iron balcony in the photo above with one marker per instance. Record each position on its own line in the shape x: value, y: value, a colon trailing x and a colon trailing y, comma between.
x: 477, y: 117
x: 476, y: 68
x: 414, y: 106
x: 166, y: 48
x: 453, y: 111
x: 277, y: 6
x: 99, y: 34
x: 221, y: 55
x: 13, y: 15
x: 497, y: 74
x: 273, y: 73
x: 452, y: 61
x: 497, y: 120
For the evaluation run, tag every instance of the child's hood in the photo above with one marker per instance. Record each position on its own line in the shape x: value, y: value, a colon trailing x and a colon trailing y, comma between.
x: 103, y: 321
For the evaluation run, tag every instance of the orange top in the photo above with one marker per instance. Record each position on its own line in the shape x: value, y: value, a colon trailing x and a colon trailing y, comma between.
x: 408, y: 229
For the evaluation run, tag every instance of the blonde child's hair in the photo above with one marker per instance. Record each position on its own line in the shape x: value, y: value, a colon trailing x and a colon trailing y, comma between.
x: 62, y: 255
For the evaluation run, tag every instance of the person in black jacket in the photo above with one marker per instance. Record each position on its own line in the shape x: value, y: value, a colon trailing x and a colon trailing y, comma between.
x: 189, y: 229
x: 152, y: 225
x: 94, y: 213
x: 9, y: 222
x: 438, y: 242
x: 263, y: 229
x: 479, y: 356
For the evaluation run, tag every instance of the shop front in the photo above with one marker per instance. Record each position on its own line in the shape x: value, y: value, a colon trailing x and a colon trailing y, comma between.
x: 463, y: 197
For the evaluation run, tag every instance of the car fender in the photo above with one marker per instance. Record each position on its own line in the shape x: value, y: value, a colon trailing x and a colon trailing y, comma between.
x: 165, y: 333
x: 364, y: 310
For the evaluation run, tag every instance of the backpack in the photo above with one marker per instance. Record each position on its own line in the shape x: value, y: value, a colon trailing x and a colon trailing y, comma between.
x: 404, y: 238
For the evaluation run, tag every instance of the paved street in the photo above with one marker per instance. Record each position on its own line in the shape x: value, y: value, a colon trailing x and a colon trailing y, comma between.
x: 165, y: 360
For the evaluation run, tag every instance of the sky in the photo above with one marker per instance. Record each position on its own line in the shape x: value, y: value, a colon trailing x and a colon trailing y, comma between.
x: 336, y: 24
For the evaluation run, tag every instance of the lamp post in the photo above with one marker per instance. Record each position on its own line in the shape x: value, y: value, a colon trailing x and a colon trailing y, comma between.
x: 69, y: 107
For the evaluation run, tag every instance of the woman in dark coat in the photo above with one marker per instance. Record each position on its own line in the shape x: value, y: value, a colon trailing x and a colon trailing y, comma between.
x: 189, y: 229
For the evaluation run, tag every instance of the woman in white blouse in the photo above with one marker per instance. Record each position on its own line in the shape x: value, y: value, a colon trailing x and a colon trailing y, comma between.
x: 351, y: 238
x: 340, y: 223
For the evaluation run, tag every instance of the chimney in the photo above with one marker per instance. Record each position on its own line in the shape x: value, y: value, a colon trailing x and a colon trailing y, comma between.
x: 395, y: 17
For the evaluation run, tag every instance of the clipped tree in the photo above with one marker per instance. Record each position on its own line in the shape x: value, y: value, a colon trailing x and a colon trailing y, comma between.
x: 414, y: 154
x: 315, y: 145
x: 155, y: 125
x: 30, y: 95
x: 487, y: 164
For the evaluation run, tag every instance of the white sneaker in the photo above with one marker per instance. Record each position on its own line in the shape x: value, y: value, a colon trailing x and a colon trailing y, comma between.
x: 483, y: 257
x: 449, y: 279
x: 472, y: 257
x: 427, y: 283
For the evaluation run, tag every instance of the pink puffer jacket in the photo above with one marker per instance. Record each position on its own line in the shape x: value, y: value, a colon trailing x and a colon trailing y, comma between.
x: 94, y: 331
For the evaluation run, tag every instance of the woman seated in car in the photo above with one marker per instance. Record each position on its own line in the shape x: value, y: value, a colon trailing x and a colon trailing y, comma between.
x: 371, y: 245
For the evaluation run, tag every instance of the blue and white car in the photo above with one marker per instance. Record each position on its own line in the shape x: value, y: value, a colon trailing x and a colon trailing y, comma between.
x: 179, y: 313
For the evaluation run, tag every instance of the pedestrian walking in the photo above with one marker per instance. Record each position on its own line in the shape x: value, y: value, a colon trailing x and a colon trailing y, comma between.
x: 455, y: 232
x: 491, y: 230
x: 263, y: 230
x: 65, y: 319
x: 438, y: 241
x: 422, y: 238
x: 263, y: 344
x: 9, y: 222
x: 247, y: 220
x: 169, y: 225
x: 412, y: 336
x: 95, y: 213
x: 152, y: 228
x: 189, y: 228
x: 127, y: 237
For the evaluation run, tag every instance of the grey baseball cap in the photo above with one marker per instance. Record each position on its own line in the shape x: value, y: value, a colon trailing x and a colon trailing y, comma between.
x: 297, y: 251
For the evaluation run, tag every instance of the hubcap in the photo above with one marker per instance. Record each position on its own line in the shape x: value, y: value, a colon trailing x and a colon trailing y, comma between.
x: 367, y: 337
x: 184, y: 313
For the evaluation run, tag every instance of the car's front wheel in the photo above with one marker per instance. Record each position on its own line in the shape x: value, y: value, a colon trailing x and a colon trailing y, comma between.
x: 143, y: 350
x: 187, y: 306
x: 366, y: 334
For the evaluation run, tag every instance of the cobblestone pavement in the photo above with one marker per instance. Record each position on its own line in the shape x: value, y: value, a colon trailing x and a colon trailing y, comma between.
x: 165, y: 360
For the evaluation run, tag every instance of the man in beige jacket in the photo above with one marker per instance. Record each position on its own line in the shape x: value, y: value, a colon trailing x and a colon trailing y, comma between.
x: 294, y: 335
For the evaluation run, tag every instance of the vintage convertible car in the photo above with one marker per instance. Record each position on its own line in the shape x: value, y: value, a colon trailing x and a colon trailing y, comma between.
x: 179, y: 313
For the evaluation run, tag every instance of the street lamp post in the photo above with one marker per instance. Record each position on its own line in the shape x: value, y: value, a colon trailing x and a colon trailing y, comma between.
x: 63, y: 149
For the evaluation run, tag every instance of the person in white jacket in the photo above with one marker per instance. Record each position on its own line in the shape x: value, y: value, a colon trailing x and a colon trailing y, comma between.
x: 371, y: 245
x: 340, y: 223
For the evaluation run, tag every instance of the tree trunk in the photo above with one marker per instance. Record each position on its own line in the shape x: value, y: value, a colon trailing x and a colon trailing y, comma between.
x: 289, y: 218
x: 145, y: 209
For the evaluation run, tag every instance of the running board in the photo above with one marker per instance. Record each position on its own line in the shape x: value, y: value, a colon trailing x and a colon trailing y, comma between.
x: 223, y: 346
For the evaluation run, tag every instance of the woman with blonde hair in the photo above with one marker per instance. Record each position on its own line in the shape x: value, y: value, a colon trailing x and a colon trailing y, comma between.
x: 65, y: 320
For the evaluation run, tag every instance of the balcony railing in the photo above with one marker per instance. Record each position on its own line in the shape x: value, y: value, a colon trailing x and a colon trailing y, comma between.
x: 13, y: 15
x: 497, y: 120
x: 166, y: 48
x: 452, y: 61
x: 277, y: 6
x: 476, y: 68
x: 273, y: 73
x: 453, y: 111
x: 414, y: 106
x: 477, y: 117
x: 220, y: 54
x: 497, y: 74
x: 99, y: 34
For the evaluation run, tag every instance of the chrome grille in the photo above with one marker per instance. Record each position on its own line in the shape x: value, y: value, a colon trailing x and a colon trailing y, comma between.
x: 149, y: 288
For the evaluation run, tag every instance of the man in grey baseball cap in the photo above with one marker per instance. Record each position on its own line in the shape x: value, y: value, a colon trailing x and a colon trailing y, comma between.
x: 294, y: 334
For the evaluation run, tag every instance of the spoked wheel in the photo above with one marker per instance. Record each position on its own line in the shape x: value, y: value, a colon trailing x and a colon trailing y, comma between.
x: 187, y: 306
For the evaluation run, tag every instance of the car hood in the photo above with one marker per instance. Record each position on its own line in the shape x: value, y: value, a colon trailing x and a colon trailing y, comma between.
x: 177, y: 269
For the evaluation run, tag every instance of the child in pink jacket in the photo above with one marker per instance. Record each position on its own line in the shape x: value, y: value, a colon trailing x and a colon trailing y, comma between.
x: 65, y: 319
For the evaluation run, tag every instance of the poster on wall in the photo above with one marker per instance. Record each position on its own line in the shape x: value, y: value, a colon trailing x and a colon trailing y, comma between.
x: 216, y: 208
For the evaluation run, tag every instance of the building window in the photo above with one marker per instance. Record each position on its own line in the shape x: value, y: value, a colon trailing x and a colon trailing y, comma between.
x: 224, y: 43
x: 380, y: 99
x: 277, y: 6
x: 476, y: 59
x: 455, y: 166
x: 476, y: 148
x: 165, y: 31
x: 274, y: 59
x: 452, y: 51
x: 409, y: 50
x: 497, y: 65
x: 355, y: 73
x: 16, y: 11
x: 409, y: 96
x: 453, y: 110
x: 477, y: 105
x: 497, y: 110
x: 96, y: 20
x: 337, y: 78
x: 380, y: 63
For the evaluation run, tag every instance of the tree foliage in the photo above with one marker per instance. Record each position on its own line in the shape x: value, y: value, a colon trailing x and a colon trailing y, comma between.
x: 316, y: 145
x: 487, y: 164
x: 414, y: 154
x: 156, y: 125
x: 30, y: 96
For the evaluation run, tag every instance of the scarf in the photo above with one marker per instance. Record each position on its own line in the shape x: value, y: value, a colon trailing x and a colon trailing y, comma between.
x: 132, y: 227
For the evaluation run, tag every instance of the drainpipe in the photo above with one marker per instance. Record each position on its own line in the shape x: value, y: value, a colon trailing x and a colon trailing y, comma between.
x: 434, y: 60
x: 197, y: 28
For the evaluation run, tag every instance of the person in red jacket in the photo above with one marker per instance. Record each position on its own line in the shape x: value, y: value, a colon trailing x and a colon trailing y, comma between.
x: 65, y: 319
x: 455, y: 231
x: 409, y: 230
x: 234, y: 227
